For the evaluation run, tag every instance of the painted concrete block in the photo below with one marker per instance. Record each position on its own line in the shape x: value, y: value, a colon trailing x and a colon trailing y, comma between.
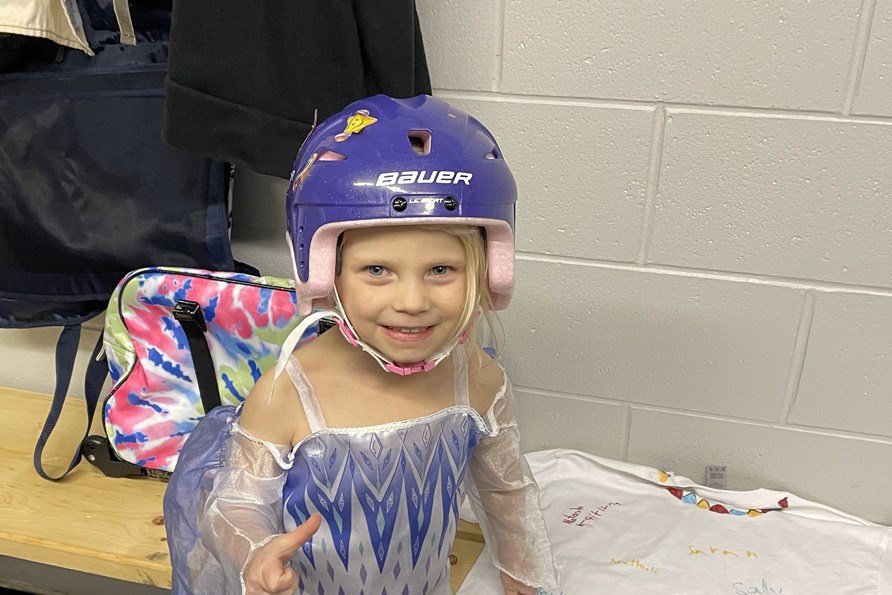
x: 30, y: 356
x: 847, y: 376
x: 264, y: 250
x: 581, y: 174
x: 684, y: 342
x: 874, y: 95
x: 787, y: 197
x: 792, y: 55
x: 258, y: 201
x: 462, y: 42
x: 561, y: 421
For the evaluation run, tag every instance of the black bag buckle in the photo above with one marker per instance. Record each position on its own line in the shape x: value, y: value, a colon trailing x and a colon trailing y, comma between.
x: 189, y: 311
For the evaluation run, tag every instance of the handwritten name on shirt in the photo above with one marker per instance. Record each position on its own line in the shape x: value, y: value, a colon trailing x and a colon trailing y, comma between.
x: 579, y: 516
x: 740, y: 588
x: 635, y: 563
x: 715, y: 551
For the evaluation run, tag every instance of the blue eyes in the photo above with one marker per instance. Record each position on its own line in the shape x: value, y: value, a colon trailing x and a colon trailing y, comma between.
x: 377, y: 270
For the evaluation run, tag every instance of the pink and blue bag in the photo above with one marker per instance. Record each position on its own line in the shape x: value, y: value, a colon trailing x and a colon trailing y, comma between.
x: 179, y: 343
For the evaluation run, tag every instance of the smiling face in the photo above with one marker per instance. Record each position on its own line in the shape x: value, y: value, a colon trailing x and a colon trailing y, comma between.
x: 403, y: 289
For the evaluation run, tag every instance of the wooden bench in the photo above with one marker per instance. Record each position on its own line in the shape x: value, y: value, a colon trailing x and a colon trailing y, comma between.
x: 91, y: 523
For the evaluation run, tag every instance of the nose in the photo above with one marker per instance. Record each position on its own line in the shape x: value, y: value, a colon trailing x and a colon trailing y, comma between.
x: 412, y: 297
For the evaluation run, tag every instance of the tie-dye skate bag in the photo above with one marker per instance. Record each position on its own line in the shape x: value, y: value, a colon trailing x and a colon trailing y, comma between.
x: 180, y: 342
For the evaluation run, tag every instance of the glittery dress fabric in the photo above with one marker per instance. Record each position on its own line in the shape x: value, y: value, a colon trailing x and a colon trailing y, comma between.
x: 388, y: 495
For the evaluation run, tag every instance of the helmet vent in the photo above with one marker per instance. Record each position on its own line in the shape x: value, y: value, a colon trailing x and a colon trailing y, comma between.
x: 420, y: 141
x: 331, y: 156
x: 492, y: 155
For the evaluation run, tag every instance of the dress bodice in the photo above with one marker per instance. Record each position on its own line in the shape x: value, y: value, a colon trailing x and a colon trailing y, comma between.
x: 388, y: 496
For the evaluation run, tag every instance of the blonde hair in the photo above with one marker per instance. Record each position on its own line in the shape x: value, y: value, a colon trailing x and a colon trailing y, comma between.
x: 477, y: 298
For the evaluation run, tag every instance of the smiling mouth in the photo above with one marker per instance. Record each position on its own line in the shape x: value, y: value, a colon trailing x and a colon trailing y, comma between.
x: 408, y: 334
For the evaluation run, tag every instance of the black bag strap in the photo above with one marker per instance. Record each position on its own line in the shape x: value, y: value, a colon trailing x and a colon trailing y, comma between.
x: 66, y: 353
x: 189, y: 315
x: 97, y: 449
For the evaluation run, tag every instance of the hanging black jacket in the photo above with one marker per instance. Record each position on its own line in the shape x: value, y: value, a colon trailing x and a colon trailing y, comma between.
x: 245, y: 78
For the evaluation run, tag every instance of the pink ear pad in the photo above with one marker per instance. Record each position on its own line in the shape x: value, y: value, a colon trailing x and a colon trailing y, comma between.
x: 323, y: 253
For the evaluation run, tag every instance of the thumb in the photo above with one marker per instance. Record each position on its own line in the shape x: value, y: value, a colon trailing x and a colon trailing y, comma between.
x: 290, y: 542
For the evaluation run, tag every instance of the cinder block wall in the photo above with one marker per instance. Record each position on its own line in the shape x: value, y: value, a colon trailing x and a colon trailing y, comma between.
x: 705, y: 231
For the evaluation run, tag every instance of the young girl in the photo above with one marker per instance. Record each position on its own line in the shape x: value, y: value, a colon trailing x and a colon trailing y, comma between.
x: 342, y: 472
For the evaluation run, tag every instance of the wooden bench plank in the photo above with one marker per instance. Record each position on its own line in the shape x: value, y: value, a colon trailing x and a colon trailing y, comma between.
x: 86, y: 522
x: 92, y: 523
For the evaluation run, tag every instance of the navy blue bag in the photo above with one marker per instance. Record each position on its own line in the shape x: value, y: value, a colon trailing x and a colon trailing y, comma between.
x: 88, y: 189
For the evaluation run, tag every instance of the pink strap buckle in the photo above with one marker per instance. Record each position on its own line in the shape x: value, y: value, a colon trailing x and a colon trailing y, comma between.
x: 406, y: 370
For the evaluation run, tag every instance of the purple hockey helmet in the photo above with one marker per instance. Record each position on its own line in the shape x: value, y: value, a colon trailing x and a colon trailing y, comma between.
x: 384, y: 161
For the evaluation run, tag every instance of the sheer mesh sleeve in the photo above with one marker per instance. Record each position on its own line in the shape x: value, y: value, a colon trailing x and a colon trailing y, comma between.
x: 221, y: 506
x: 505, y: 499
x: 244, y: 510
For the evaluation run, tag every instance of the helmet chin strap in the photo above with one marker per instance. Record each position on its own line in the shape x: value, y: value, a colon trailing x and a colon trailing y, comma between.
x: 296, y: 335
x: 352, y: 337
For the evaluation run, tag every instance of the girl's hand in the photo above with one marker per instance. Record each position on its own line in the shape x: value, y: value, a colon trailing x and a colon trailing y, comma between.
x: 269, y: 571
x: 514, y: 587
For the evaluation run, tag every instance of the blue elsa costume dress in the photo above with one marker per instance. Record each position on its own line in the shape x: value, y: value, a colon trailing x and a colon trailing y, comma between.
x: 388, y: 495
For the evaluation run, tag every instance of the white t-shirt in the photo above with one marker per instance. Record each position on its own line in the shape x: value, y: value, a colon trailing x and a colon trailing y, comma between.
x: 622, y: 528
